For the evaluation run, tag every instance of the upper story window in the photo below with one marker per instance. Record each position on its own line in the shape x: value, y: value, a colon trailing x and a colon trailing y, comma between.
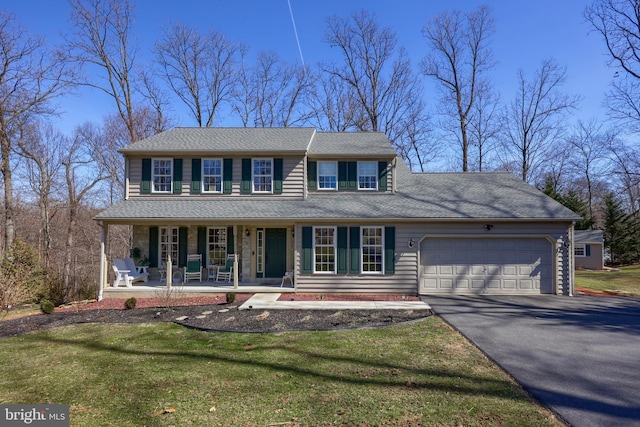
x: 367, y: 175
x: 212, y: 175
x: 162, y: 175
x: 327, y: 175
x: 262, y: 175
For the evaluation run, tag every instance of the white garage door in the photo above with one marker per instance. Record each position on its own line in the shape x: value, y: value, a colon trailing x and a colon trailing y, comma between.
x: 486, y: 265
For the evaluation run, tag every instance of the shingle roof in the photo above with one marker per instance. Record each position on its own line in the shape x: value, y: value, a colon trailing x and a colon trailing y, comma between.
x: 225, y: 140
x: 588, y: 236
x: 433, y: 196
x: 340, y: 144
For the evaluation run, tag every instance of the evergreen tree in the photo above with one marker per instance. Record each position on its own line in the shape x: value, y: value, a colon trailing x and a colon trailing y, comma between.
x: 620, y: 232
x: 573, y: 201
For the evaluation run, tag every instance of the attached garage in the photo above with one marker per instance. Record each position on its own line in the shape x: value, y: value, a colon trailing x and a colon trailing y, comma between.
x: 481, y: 265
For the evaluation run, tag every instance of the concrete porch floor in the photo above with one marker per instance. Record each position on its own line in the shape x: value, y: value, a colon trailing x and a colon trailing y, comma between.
x: 156, y: 288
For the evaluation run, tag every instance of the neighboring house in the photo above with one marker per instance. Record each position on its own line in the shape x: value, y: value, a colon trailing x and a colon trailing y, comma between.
x: 339, y: 210
x: 588, y: 249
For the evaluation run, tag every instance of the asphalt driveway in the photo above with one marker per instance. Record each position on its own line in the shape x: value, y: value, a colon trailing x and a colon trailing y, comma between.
x: 578, y: 355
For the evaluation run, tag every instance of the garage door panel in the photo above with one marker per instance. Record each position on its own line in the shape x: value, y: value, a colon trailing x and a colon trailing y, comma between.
x: 486, y: 265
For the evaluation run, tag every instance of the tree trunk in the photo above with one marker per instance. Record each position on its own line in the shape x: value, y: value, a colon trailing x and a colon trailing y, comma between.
x: 9, y: 230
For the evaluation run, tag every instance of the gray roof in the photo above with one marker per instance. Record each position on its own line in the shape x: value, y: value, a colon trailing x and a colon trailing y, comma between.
x: 225, y: 140
x: 426, y: 197
x: 361, y: 144
x: 588, y: 236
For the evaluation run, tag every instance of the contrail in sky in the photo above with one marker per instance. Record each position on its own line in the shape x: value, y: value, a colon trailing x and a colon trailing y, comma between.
x: 295, y: 31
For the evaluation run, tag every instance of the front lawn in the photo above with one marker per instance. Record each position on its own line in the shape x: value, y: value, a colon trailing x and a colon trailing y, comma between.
x: 626, y: 280
x: 161, y: 374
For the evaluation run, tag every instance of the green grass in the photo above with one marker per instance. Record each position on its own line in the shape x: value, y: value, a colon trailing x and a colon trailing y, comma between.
x: 421, y: 373
x: 627, y: 280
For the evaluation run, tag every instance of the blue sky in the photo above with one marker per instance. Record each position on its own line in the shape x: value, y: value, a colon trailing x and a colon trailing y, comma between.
x: 526, y: 33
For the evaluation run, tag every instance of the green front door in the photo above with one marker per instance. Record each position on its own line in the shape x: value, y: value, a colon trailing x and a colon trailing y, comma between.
x: 275, y: 252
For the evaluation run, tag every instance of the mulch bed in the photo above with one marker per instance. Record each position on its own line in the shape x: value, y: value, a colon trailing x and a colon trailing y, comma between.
x: 215, y: 315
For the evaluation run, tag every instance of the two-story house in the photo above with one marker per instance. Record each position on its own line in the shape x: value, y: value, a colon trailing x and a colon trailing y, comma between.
x: 340, y: 211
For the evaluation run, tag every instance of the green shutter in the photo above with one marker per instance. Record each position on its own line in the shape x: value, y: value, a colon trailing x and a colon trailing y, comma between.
x: 277, y: 176
x: 227, y: 176
x: 145, y: 185
x: 202, y: 244
x: 307, y: 250
x: 342, y: 250
x: 342, y: 176
x: 382, y: 176
x: 352, y: 176
x: 389, y: 250
x: 177, y: 176
x: 354, y: 253
x: 246, y: 176
x: 231, y: 247
x: 183, y: 242
x: 196, y: 176
x: 312, y: 175
x: 588, y: 250
x: 153, y: 246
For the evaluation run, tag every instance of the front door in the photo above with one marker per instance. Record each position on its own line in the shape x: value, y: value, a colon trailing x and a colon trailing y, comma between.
x: 275, y: 252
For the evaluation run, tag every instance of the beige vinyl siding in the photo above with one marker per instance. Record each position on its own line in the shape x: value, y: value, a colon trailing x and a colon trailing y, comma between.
x: 292, y: 178
x: 592, y: 262
x: 407, y: 272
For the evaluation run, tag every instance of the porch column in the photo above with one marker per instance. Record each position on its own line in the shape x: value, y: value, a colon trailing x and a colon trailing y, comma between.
x: 103, y: 260
x: 235, y: 258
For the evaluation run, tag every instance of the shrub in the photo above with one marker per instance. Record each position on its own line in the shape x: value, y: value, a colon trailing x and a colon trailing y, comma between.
x: 130, y: 303
x: 231, y: 297
x: 47, y: 306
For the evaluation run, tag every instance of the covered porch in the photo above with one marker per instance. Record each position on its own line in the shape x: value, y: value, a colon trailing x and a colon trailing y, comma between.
x: 262, y: 255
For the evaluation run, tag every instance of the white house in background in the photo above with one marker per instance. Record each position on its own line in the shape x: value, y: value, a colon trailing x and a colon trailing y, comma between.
x: 341, y: 212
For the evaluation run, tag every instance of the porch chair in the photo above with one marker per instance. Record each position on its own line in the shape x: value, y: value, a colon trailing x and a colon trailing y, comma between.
x: 138, y: 270
x: 125, y: 276
x: 193, y: 270
x: 226, y: 273
x: 288, y: 277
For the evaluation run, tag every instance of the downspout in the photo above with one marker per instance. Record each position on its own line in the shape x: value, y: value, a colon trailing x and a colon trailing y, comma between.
x: 571, y: 255
x: 103, y: 261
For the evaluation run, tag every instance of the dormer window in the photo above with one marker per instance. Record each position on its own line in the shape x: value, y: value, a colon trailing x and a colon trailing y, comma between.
x: 162, y: 175
x: 262, y: 175
x: 367, y: 175
x: 212, y: 175
x: 327, y: 175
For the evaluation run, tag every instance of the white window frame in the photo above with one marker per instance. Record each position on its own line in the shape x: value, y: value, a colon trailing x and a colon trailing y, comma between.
x: 219, y: 176
x: 169, y: 242
x: 334, y: 175
x: 369, y: 184
x: 154, y: 175
x: 217, y: 243
x: 577, y: 247
x: 254, y: 176
x: 364, y: 245
x: 319, y: 246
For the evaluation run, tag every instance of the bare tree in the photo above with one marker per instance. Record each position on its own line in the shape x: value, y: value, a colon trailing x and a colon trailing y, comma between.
x: 534, y: 119
x: 589, y: 162
x: 44, y: 148
x: 460, y: 59
x: 100, y: 39
x: 200, y: 69
x: 335, y: 108
x: 83, y: 172
x: 484, y: 126
x: 626, y: 168
x: 273, y: 93
x: 618, y: 22
x: 376, y: 87
x: 30, y: 77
